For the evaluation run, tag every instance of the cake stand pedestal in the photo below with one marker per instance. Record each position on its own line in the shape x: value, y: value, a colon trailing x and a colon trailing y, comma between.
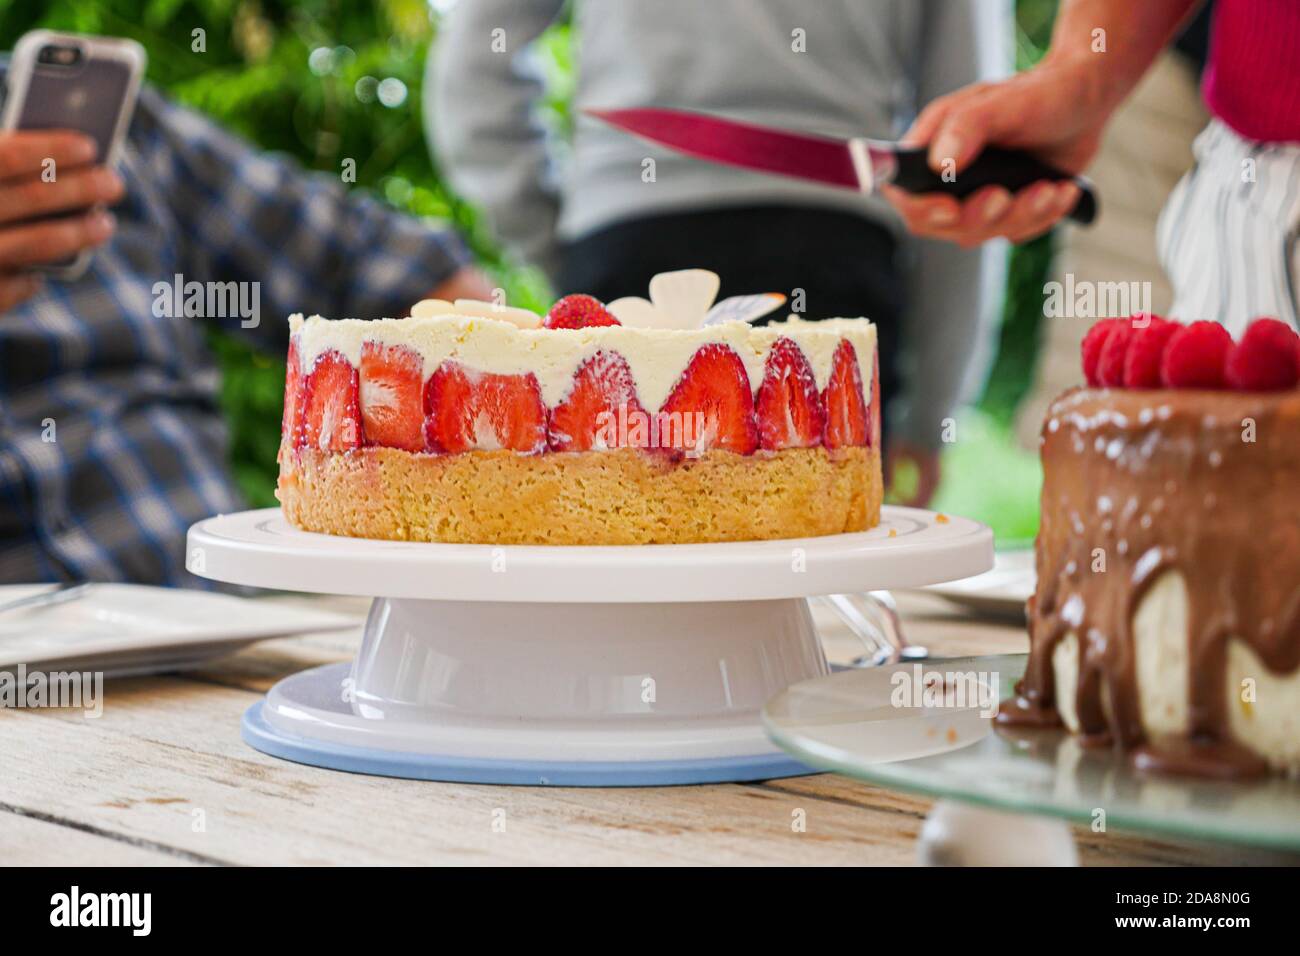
x: 572, y: 666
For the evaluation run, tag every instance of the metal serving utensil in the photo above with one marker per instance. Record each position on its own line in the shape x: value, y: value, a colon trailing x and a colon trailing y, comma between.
x: 873, y: 619
x: 60, y: 594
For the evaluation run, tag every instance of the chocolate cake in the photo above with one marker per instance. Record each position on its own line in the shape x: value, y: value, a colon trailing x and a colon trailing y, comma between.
x: 1167, y: 613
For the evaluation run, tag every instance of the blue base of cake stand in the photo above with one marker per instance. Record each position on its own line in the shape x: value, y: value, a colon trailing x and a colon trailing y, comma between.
x: 535, y: 773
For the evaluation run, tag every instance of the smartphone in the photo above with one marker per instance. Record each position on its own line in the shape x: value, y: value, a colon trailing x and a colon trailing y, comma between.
x: 71, y: 81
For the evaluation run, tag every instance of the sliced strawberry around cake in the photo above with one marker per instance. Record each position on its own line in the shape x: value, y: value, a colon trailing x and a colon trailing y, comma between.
x: 712, y: 405
x: 601, y: 409
x: 847, y: 416
x: 468, y: 410
x: 873, y: 411
x: 392, y: 396
x: 331, y: 415
x: 790, y: 413
x: 291, y: 423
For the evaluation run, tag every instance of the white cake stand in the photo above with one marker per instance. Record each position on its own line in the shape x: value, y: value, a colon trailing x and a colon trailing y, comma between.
x: 574, y: 666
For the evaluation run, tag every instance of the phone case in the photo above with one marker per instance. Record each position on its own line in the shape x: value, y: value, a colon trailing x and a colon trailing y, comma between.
x: 97, y: 99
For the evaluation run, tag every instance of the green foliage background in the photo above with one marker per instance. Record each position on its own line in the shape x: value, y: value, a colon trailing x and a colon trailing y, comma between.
x: 254, y: 76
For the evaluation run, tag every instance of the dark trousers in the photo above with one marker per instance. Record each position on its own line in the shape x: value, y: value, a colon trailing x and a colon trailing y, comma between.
x: 845, y: 264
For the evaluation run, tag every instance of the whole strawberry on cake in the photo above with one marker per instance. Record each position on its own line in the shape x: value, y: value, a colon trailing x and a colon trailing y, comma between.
x: 642, y: 421
x: 1166, y: 619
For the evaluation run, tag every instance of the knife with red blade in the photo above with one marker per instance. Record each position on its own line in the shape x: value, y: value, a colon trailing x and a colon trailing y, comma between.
x: 859, y: 163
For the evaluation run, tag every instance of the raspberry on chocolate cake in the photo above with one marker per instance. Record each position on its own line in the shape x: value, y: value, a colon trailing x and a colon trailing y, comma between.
x: 637, y: 422
x: 1166, y: 618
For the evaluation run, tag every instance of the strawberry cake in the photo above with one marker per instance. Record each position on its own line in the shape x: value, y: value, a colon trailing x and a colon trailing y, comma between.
x: 1166, y: 619
x: 644, y: 421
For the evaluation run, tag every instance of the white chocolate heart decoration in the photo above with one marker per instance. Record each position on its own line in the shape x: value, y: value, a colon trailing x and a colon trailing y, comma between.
x: 682, y: 300
x: 685, y: 295
x: 638, y: 313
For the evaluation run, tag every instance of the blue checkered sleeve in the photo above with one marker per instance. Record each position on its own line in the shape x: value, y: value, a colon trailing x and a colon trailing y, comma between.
x: 112, y: 441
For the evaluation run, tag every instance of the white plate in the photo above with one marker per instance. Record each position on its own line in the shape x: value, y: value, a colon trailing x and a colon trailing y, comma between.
x: 126, y: 629
x: 910, y: 547
x: 1001, y: 592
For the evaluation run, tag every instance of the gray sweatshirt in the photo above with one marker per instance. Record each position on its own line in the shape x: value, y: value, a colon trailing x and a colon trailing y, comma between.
x: 839, y: 67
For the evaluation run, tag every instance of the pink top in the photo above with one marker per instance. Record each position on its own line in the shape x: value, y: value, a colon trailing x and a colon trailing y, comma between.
x: 1252, y: 81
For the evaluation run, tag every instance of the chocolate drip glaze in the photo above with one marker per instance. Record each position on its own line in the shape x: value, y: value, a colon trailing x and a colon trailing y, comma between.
x: 1161, y: 481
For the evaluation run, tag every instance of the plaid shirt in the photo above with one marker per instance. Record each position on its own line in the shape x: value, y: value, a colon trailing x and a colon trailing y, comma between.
x: 111, y: 440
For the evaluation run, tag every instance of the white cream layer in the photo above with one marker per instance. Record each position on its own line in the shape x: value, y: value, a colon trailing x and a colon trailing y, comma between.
x: 657, y: 357
x: 1269, y: 725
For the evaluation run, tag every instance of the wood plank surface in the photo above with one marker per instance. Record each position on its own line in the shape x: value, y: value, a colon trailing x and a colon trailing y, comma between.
x: 162, y: 778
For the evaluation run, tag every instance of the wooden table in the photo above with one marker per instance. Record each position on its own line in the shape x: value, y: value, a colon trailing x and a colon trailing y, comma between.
x: 162, y: 777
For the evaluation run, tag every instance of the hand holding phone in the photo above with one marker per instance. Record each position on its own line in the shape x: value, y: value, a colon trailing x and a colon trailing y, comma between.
x: 34, y: 227
x: 70, y: 100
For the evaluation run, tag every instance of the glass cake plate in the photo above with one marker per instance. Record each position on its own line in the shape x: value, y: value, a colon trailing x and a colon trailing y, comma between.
x: 846, y: 722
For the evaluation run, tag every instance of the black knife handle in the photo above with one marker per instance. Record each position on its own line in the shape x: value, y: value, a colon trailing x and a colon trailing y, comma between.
x: 1009, y: 168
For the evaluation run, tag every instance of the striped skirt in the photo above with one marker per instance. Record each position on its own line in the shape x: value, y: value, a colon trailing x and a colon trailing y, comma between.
x: 1228, y: 234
